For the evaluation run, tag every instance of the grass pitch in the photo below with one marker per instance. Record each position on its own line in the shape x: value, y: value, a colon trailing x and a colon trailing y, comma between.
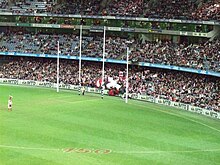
x: 49, y: 128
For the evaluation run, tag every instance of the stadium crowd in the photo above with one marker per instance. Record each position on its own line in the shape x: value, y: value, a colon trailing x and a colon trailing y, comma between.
x: 84, y: 7
x: 114, y: 47
x: 205, y: 55
x: 199, y: 90
x: 208, y: 11
x: 170, y: 9
x: 30, y: 6
x: 185, y: 9
x: 128, y: 8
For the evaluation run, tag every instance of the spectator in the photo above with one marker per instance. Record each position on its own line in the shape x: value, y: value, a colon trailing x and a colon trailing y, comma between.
x: 205, y: 55
x: 198, y: 90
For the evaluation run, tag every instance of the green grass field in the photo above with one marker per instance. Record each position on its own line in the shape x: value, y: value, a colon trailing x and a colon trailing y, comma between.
x: 49, y: 128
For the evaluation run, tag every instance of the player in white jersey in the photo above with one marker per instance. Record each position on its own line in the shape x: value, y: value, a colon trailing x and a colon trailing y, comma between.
x: 83, y: 90
x: 10, y: 103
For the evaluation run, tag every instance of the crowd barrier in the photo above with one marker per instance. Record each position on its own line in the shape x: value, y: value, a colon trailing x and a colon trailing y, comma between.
x: 180, y: 105
x: 147, y: 98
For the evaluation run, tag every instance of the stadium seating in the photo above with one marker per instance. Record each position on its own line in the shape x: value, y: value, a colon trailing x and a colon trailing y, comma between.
x: 21, y: 43
x: 32, y: 6
x: 115, y: 47
x: 170, y: 9
x: 129, y: 8
x: 85, y: 7
x: 194, y: 89
x: 41, y: 43
x: 205, y: 55
x: 208, y: 11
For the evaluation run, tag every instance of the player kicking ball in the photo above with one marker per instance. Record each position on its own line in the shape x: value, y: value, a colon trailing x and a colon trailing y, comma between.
x: 10, y: 103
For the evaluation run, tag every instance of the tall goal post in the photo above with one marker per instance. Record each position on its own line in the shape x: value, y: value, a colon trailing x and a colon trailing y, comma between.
x: 126, y: 99
x: 80, y: 58
x: 58, y: 64
x: 103, y: 64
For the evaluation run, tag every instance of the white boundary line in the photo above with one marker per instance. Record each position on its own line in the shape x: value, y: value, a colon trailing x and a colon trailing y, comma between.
x: 30, y: 148
x: 48, y: 88
x: 117, y: 152
x: 158, y: 152
x: 131, y: 152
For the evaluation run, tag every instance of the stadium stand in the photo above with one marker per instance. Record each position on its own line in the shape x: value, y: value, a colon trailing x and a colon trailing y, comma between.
x: 69, y: 44
x: 41, y: 43
x: 194, y: 89
x: 129, y: 8
x: 201, y: 56
x: 85, y: 7
x: 115, y: 47
x: 31, y: 6
x: 169, y: 9
x: 204, y: 55
x: 208, y: 11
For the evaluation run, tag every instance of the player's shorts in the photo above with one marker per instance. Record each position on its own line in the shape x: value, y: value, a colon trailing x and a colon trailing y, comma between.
x: 9, y: 106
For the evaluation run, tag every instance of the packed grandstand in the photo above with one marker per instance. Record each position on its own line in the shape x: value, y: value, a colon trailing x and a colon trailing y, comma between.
x: 118, y: 82
x: 198, y: 90
x: 204, y: 55
x: 171, y: 9
x: 191, y: 88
